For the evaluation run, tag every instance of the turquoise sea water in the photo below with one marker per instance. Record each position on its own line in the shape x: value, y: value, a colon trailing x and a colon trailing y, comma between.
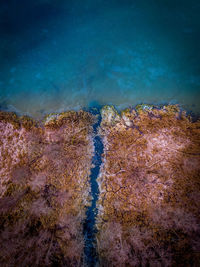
x: 57, y: 55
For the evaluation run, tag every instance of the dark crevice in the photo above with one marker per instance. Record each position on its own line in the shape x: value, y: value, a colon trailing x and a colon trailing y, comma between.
x: 89, y: 228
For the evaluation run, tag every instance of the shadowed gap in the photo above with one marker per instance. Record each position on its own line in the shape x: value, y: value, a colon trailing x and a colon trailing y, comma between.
x: 89, y: 229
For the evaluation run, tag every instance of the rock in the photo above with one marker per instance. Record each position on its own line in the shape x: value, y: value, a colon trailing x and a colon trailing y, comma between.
x: 109, y: 115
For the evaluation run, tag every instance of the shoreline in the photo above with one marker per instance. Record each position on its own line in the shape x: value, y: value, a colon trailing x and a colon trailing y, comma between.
x: 40, y: 118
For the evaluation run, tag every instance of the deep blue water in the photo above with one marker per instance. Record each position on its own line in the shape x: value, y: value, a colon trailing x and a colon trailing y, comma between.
x: 66, y: 54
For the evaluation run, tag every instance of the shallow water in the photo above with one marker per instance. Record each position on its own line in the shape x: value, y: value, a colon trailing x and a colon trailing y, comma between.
x: 57, y: 55
x: 89, y: 228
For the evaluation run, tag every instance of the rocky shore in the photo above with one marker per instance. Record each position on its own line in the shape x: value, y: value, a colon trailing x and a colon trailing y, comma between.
x: 149, y: 188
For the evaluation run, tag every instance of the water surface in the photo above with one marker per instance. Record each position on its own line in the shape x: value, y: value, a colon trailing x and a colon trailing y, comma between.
x: 57, y: 55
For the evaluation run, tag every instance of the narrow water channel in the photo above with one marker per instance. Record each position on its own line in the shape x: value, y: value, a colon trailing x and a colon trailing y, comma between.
x: 91, y: 257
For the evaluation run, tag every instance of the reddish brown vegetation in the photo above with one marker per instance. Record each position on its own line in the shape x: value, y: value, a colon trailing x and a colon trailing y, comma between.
x: 44, y: 188
x: 149, y: 188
